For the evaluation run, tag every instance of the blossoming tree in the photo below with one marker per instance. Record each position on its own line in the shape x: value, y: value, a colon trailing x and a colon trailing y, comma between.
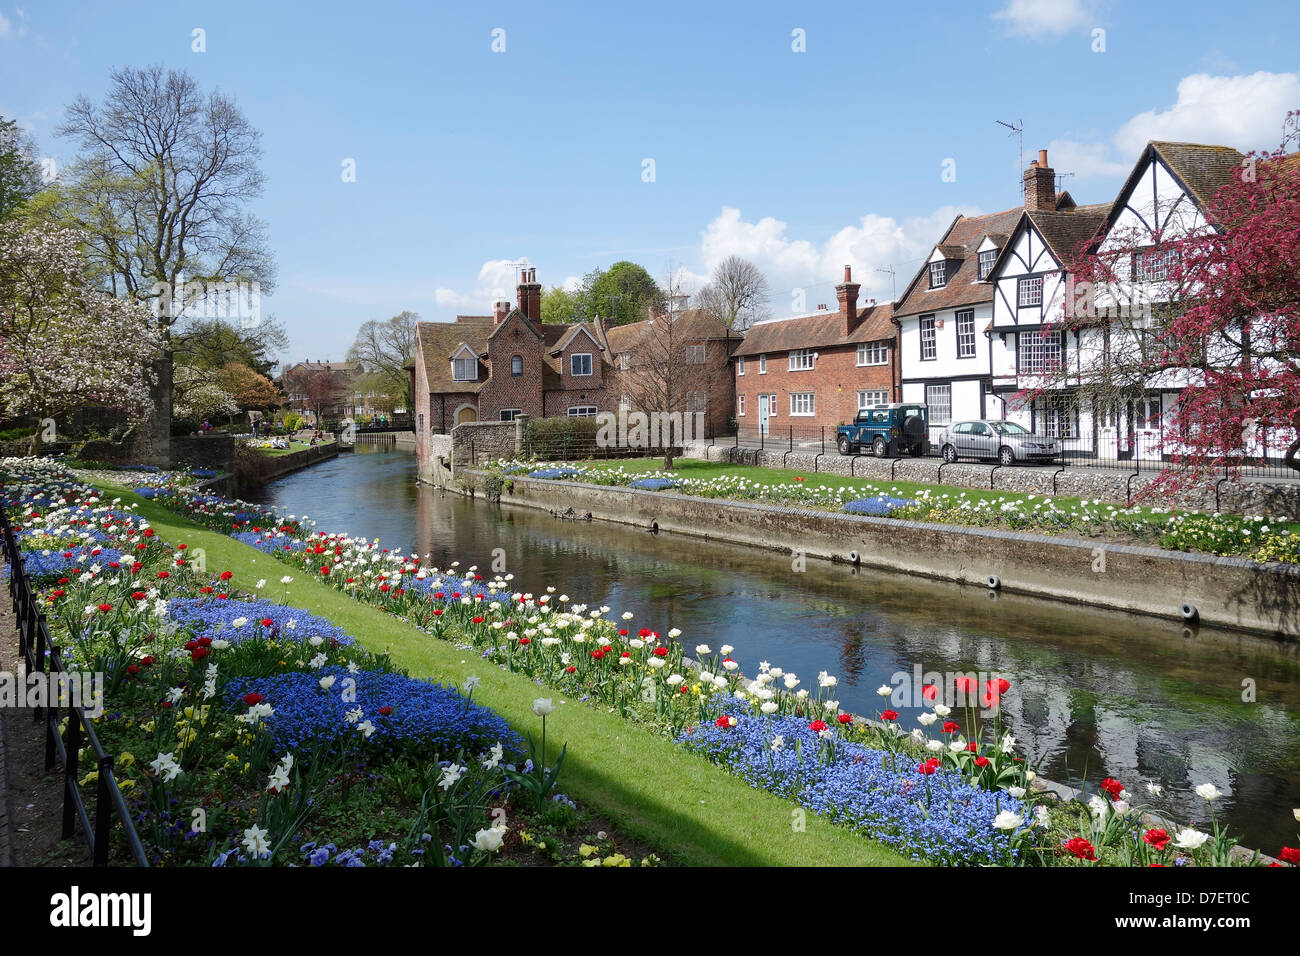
x: 66, y: 343
x: 1211, y: 308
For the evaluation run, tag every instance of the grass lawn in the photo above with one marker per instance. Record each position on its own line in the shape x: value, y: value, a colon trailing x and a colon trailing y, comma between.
x: 294, y: 445
x: 693, y: 811
x: 705, y: 470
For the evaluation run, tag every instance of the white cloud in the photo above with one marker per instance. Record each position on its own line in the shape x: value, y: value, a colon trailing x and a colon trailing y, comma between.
x: 1043, y: 18
x: 450, y: 298
x: 4, y: 26
x: 873, y: 243
x: 1245, y: 112
x: 1085, y: 160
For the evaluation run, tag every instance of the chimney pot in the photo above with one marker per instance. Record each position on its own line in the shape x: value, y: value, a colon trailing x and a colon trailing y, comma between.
x: 848, y: 273
x: 1040, y: 185
x: 1042, y: 157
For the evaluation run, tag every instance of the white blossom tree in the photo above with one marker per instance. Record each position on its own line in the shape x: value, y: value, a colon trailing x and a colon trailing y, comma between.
x: 67, y: 344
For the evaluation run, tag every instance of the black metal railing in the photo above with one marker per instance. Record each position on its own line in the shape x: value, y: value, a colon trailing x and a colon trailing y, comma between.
x: 41, y: 655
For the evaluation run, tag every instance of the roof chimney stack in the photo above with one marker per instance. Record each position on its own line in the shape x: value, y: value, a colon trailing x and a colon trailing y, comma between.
x: 530, y: 297
x: 500, y: 309
x: 1040, y: 185
x: 847, y: 295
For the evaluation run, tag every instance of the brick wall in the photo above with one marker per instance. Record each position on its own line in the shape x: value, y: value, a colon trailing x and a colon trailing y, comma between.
x: 504, y: 390
x: 835, y: 380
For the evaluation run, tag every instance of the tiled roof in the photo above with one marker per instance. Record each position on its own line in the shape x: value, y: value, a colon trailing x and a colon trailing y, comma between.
x: 437, y: 341
x: 820, y: 330
x: 963, y: 287
x: 1203, y: 169
x: 1065, y: 232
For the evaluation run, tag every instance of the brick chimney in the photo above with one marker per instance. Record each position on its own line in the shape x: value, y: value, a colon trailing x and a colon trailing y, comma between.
x: 847, y: 295
x: 500, y: 309
x: 1040, y: 185
x: 530, y: 296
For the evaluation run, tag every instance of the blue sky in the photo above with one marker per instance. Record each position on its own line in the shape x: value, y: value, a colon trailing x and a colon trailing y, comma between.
x: 469, y: 160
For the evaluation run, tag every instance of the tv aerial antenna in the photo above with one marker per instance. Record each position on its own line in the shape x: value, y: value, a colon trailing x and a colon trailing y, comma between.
x: 1017, y: 130
x: 893, y: 283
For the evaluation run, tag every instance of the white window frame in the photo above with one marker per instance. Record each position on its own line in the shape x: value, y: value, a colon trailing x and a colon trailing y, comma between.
x: 513, y: 413
x: 865, y: 396
x: 573, y: 359
x: 771, y: 405
x: 965, y: 320
x: 740, y: 406
x: 762, y: 365
x: 939, y: 390
x: 696, y: 354
x: 939, y: 268
x: 1051, y: 412
x: 583, y: 411
x: 697, y: 402
x: 1029, y: 284
x: 1034, y: 348
x: 740, y: 366
x: 802, y: 360
x: 797, y: 401
x: 455, y: 368
x: 929, y: 337
x: 873, y: 353
x: 981, y: 272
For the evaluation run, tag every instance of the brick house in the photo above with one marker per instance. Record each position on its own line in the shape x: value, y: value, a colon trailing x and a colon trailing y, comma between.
x: 332, y: 383
x: 500, y: 366
x: 816, y: 370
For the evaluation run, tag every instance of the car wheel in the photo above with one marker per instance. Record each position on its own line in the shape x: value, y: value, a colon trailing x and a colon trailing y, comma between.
x: 1006, y: 456
x: 845, y: 447
x: 879, y: 447
x: 949, y: 454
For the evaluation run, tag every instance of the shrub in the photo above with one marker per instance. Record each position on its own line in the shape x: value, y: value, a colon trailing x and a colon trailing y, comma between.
x: 567, y: 437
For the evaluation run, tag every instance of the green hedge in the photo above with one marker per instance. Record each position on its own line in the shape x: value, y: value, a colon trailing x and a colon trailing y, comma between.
x: 559, y: 437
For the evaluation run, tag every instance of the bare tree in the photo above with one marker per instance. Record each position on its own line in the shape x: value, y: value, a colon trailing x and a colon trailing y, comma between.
x: 384, y: 348
x: 736, y: 294
x: 161, y: 186
x: 317, y: 389
x: 667, y: 377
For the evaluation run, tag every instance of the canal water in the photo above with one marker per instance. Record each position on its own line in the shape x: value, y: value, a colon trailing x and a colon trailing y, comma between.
x: 1094, y: 693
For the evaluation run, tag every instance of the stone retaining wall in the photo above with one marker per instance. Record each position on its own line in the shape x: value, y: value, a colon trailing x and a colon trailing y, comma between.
x: 1278, y: 499
x: 1226, y: 592
x: 254, y: 468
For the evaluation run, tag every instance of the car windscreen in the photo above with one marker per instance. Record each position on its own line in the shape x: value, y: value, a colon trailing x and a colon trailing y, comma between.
x: 1010, y: 428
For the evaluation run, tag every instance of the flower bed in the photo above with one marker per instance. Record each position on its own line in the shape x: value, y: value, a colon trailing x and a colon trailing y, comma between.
x: 1251, y: 536
x: 958, y: 796
x: 246, y: 729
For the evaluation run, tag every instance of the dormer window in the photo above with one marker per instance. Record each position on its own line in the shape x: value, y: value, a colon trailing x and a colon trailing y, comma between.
x: 580, y: 363
x: 987, y: 258
x: 464, y: 366
x: 939, y: 274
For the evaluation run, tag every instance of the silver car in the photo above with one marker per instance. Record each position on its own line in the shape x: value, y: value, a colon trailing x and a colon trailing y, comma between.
x: 991, y: 438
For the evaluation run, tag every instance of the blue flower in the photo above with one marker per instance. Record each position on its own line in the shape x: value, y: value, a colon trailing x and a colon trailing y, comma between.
x: 880, y: 506
x: 653, y: 484
x: 426, y: 718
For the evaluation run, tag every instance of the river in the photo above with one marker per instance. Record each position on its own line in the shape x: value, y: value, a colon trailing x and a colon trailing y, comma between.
x: 1094, y: 693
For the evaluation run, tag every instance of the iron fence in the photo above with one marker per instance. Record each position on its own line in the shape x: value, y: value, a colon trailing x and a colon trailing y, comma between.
x: 41, y: 655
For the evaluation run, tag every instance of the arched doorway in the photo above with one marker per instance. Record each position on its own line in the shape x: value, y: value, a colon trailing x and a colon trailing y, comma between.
x: 466, y: 413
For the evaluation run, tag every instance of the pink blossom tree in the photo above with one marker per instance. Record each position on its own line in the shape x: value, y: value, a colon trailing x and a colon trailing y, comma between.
x: 66, y: 343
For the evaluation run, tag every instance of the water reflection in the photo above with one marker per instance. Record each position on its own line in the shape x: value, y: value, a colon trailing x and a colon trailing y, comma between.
x: 1094, y: 693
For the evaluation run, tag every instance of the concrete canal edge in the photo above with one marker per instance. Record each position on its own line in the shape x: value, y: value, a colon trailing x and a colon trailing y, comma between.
x: 1192, y: 588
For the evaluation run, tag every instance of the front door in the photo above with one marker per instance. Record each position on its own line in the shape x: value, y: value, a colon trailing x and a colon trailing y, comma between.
x: 467, y: 414
x: 762, y: 414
